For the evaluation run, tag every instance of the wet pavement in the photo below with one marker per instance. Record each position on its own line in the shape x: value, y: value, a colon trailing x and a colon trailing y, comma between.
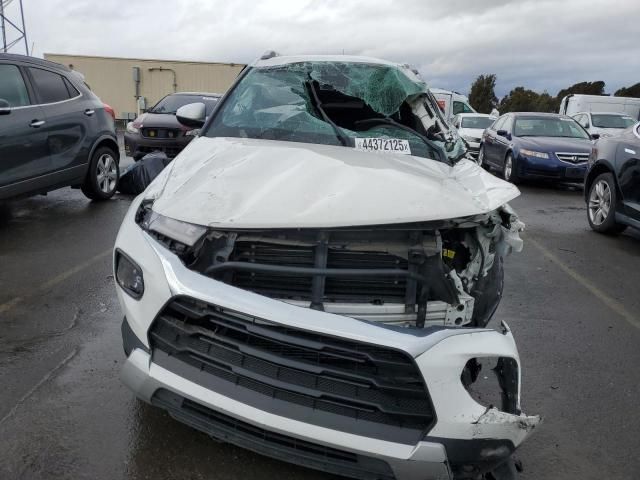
x: 571, y: 299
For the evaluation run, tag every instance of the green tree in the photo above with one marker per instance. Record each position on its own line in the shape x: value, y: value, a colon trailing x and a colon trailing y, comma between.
x: 520, y: 99
x: 632, y: 91
x: 482, y: 96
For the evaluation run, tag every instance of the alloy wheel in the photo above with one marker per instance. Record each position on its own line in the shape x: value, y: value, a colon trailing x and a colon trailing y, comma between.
x: 599, y: 202
x: 107, y: 173
x: 508, y: 167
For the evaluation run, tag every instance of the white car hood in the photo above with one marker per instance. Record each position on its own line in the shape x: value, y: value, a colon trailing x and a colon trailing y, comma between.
x: 248, y: 183
x: 471, y: 132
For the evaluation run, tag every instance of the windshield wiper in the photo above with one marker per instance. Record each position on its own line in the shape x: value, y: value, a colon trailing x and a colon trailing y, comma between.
x: 390, y: 121
x: 344, y: 140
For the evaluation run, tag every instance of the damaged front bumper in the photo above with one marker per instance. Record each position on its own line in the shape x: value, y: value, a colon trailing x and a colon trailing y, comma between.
x: 326, y: 391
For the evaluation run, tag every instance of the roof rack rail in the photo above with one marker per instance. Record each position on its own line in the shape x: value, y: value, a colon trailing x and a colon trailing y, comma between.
x: 269, y: 54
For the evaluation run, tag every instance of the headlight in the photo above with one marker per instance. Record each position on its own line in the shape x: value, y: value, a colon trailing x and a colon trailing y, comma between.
x: 471, y: 139
x: 129, y: 276
x: 532, y: 153
x: 177, y: 236
x: 132, y: 128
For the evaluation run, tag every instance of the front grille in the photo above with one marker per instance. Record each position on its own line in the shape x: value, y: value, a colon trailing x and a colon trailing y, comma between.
x: 351, y: 386
x: 283, y: 447
x: 170, y: 151
x: 574, y: 158
x: 161, y: 133
x: 377, y: 289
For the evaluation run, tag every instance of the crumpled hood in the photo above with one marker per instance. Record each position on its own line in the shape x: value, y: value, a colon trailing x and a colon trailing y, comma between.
x: 556, y: 144
x: 248, y: 183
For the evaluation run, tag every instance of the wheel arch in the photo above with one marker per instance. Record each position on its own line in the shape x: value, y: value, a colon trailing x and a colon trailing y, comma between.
x: 106, y: 141
x: 602, y: 166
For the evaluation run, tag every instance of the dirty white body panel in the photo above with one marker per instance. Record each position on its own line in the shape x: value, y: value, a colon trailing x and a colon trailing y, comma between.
x: 248, y: 183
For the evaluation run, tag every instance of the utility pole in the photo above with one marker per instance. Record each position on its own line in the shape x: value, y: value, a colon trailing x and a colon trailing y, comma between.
x: 15, y: 26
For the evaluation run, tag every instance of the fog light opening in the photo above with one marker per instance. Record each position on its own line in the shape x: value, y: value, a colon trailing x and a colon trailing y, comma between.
x: 129, y: 276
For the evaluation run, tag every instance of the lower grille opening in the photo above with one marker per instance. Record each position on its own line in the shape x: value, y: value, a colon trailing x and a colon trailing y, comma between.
x: 276, y: 445
x: 351, y: 386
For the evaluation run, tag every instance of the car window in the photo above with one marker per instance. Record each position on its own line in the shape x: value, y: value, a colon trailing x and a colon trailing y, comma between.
x: 477, y: 122
x: 73, y: 91
x: 498, y: 124
x: 340, y: 104
x: 611, y: 121
x: 461, y: 107
x: 171, y: 103
x: 548, y: 127
x: 12, y: 87
x: 579, y: 119
x: 51, y: 87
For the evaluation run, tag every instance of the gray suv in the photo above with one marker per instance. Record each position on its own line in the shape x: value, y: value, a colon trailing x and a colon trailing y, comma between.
x: 54, y: 132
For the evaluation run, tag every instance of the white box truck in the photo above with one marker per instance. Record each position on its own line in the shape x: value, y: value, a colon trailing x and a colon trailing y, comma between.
x: 577, y: 103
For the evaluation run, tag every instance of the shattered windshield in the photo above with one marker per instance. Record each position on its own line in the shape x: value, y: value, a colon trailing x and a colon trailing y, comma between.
x: 329, y: 103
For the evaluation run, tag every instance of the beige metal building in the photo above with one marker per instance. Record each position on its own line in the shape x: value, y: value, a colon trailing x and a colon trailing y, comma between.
x: 129, y: 83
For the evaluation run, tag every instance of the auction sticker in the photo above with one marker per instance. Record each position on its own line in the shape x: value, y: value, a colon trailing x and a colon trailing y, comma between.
x: 394, y: 145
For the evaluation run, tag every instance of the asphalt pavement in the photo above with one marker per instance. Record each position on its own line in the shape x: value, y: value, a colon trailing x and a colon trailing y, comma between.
x: 571, y: 298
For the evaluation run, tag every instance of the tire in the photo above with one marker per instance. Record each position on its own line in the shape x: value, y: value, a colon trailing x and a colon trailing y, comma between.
x: 481, y: 161
x: 601, y: 205
x: 102, y: 177
x: 509, y: 169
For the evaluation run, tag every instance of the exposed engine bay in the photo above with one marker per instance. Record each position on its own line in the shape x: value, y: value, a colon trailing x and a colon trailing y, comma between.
x: 446, y: 273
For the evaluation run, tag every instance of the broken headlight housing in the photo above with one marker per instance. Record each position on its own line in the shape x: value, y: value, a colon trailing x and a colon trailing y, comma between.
x: 174, y: 234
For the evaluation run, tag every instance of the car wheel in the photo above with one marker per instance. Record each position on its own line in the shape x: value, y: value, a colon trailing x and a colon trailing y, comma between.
x: 601, y: 206
x: 509, y: 170
x: 102, y: 178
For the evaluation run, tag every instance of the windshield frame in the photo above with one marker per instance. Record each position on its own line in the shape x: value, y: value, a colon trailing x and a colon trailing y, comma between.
x: 560, y: 118
x: 438, y: 150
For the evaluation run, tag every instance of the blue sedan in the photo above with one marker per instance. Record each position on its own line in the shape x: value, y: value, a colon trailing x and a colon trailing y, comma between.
x: 543, y: 146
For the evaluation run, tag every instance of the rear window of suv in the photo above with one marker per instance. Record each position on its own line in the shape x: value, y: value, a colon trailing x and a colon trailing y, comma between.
x: 12, y: 87
x: 52, y: 87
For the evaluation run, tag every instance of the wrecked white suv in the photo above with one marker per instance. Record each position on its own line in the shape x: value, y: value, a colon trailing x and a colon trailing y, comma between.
x: 312, y: 276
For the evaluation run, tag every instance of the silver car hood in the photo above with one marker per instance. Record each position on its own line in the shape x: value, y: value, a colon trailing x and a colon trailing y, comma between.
x: 249, y: 183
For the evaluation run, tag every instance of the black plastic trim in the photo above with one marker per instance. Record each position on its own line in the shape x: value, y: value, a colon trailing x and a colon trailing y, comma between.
x: 130, y: 340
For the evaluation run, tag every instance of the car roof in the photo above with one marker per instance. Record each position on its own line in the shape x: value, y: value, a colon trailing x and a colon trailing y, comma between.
x: 204, y: 94
x: 621, y: 114
x: 13, y: 57
x: 278, y: 60
x: 463, y: 115
x: 538, y: 114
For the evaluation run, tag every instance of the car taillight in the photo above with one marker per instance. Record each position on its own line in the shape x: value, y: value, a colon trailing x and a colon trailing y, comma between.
x: 110, y: 111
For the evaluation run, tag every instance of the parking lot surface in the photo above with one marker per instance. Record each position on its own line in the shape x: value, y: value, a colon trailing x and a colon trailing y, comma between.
x: 571, y: 299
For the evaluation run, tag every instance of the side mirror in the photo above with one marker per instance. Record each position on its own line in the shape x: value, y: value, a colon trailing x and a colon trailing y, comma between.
x: 502, y: 133
x: 5, y: 108
x: 192, y: 115
x: 595, y: 136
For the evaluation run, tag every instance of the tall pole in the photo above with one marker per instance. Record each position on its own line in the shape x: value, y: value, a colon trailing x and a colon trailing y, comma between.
x: 24, y: 30
x: 2, y: 27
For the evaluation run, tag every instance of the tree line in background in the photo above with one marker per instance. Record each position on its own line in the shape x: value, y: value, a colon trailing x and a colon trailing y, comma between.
x: 483, y: 98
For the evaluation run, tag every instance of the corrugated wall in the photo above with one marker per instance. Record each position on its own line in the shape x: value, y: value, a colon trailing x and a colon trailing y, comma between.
x: 112, y: 78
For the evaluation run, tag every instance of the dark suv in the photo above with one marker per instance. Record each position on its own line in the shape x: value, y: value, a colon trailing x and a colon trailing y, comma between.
x: 54, y: 132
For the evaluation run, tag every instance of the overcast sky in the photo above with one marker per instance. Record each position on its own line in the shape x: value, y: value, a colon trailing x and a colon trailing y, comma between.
x: 543, y: 45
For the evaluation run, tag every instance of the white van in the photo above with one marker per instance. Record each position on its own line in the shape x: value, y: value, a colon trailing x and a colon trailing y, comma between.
x: 577, y: 103
x: 451, y: 103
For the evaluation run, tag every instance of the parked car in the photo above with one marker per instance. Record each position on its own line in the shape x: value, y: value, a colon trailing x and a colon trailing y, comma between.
x: 471, y: 126
x: 158, y: 130
x: 577, y: 103
x: 451, y: 103
x: 604, y: 124
x: 312, y: 277
x: 54, y: 132
x: 612, y: 184
x: 536, y: 146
